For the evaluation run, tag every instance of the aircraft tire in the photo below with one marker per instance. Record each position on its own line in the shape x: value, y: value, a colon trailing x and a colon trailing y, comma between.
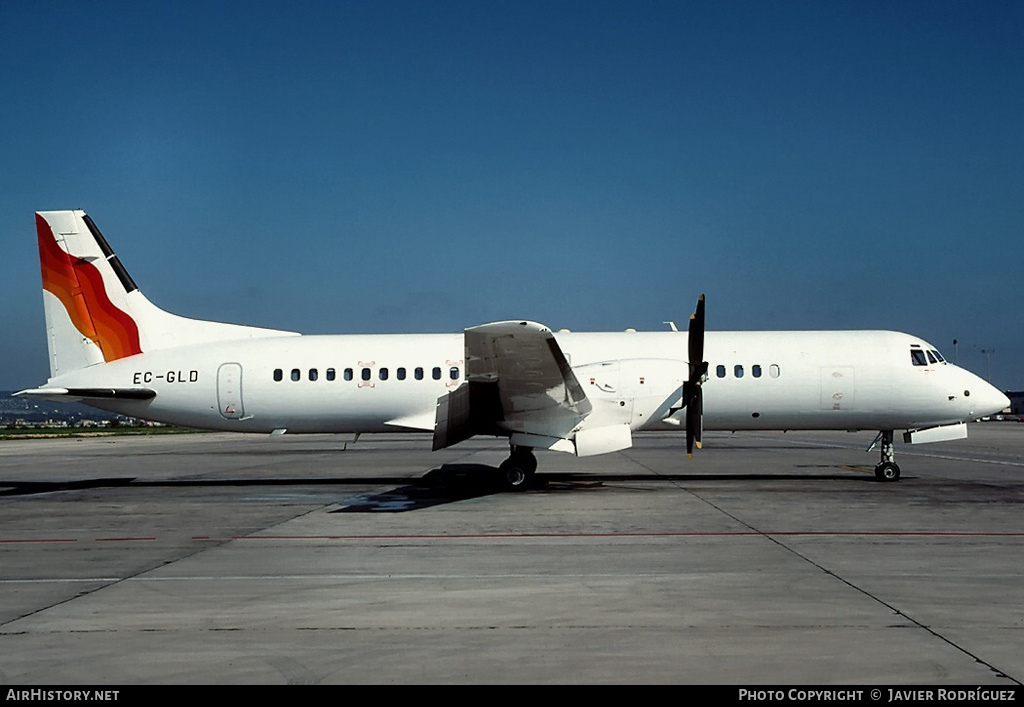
x: 887, y: 471
x: 517, y: 471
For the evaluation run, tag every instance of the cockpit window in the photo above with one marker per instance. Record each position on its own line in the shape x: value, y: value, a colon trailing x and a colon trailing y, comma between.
x: 918, y: 358
x: 938, y: 355
x: 931, y: 358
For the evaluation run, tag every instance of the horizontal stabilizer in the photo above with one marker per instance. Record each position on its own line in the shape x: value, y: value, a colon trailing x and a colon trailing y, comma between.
x: 59, y: 395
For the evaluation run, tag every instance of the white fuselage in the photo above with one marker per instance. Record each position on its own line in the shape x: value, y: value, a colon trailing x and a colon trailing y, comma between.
x: 371, y: 383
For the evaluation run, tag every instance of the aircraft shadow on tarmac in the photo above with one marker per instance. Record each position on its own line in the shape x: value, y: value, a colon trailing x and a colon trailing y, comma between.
x: 459, y: 482
x: 448, y: 483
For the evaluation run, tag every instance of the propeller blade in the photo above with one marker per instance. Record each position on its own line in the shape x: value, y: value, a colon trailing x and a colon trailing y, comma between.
x: 694, y: 413
x: 695, y: 344
x: 695, y: 340
x: 693, y: 397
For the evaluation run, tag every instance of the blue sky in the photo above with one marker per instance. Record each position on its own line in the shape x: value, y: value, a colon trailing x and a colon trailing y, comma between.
x: 347, y: 167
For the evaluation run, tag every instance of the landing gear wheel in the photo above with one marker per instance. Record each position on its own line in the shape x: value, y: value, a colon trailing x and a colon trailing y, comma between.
x: 887, y: 471
x: 517, y: 471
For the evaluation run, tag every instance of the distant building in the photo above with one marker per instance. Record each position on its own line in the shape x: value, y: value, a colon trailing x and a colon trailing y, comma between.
x: 1016, y: 402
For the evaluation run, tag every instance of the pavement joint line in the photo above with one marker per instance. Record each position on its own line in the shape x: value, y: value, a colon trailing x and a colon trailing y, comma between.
x: 556, y: 536
x: 775, y: 538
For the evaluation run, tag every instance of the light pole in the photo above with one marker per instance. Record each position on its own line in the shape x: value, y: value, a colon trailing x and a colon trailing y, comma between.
x: 988, y: 362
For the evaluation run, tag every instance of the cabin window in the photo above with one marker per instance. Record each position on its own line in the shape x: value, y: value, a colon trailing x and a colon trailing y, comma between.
x: 330, y: 374
x: 349, y: 374
x: 453, y: 373
x: 365, y: 373
x: 278, y: 375
x: 383, y: 374
x: 720, y: 371
x: 296, y: 374
x: 400, y: 374
x: 313, y: 374
x: 773, y: 370
x: 918, y: 358
x: 755, y: 371
x: 418, y: 373
x: 436, y: 373
x: 737, y: 371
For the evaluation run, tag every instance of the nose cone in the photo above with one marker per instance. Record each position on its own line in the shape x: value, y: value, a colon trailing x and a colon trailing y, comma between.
x: 996, y: 399
x: 986, y: 399
x: 976, y: 396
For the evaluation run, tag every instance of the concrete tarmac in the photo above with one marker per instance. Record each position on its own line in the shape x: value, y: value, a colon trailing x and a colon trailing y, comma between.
x: 767, y: 559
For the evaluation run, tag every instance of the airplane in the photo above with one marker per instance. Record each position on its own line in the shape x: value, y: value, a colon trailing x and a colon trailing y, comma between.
x: 581, y: 393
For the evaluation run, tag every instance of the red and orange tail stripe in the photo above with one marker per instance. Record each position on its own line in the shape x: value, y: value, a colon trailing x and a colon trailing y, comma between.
x: 78, y: 284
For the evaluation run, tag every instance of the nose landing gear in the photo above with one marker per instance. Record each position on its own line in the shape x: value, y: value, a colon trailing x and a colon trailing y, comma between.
x: 887, y: 469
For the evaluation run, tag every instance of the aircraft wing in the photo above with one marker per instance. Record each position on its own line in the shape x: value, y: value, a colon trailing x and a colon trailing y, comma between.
x: 534, y: 380
x: 517, y: 380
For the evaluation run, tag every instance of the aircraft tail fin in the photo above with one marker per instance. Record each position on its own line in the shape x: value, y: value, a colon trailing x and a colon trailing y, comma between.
x: 95, y: 312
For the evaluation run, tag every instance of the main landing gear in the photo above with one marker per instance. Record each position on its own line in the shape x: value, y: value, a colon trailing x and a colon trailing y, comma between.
x: 517, y: 471
x: 887, y: 469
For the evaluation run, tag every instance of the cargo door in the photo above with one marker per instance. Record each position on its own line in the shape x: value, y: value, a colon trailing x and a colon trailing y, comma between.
x: 229, y: 390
